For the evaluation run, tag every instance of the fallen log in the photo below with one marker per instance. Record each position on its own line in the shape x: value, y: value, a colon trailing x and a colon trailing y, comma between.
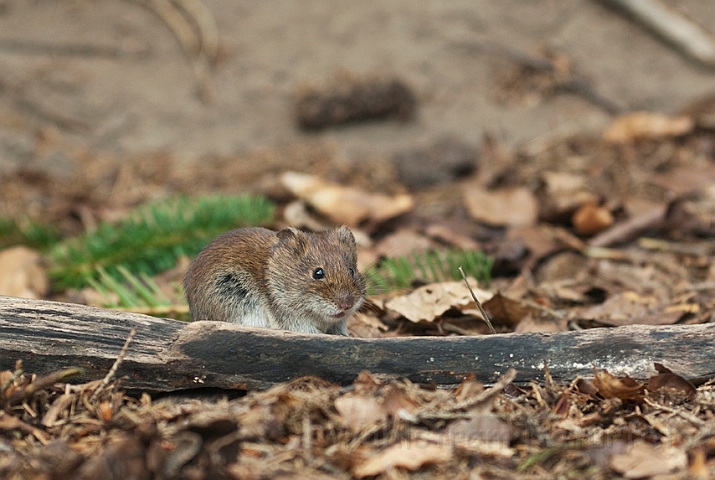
x: 168, y: 355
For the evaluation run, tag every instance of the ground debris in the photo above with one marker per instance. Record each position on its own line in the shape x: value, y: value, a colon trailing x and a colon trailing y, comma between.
x: 311, y: 428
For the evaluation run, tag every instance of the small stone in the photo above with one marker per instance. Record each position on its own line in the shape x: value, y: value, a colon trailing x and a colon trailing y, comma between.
x: 591, y: 219
x: 443, y: 162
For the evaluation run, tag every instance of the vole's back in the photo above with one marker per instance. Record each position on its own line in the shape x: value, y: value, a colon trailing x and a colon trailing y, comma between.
x: 226, y: 281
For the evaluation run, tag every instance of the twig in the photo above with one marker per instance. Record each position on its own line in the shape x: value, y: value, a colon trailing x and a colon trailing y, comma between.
x: 448, y: 411
x: 685, y: 35
x: 307, y: 444
x: 178, y: 24
x: 572, y: 83
x: 479, y: 304
x: 200, y: 44
x: 115, y: 366
x: 206, y: 25
x: 630, y: 229
x: 677, y: 411
x: 42, y: 382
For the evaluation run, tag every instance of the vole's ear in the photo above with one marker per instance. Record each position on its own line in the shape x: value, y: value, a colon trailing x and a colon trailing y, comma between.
x: 292, y: 238
x: 288, y: 233
x: 345, y: 235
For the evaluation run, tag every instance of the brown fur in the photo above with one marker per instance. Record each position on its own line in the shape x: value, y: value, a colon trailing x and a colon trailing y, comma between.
x: 254, y: 276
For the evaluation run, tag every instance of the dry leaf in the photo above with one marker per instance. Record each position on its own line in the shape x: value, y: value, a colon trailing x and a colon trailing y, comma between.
x: 671, y: 384
x: 358, y: 411
x: 492, y: 450
x: 431, y: 301
x: 565, y: 293
x: 361, y: 325
x: 611, y: 387
x: 540, y: 240
x: 449, y: 236
x: 408, y: 455
x: 644, y: 460
x: 469, y: 388
x: 647, y: 125
x: 506, y: 310
x: 684, y: 180
x: 629, y: 308
x: 557, y: 183
x: 366, y: 382
x: 6, y: 381
x: 509, y: 207
x: 22, y: 273
x: 345, y: 205
x: 486, y: 428
x: 602, y: 453
x: 529, y: 324
x: 397, y: 401
x: 297, y: 214
x: 401, y: 243
x: 591, y: 219
x: 563, y: 265
x: 562, y: 194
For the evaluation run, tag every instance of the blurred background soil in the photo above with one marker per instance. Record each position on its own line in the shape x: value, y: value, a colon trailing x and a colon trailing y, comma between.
x: 87, y: 86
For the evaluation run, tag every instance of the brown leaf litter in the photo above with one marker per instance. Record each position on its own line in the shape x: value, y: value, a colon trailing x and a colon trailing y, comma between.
x: 310, y: 428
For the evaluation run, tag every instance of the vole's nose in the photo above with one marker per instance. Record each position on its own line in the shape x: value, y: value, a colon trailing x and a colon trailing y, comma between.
x: 346, y: 302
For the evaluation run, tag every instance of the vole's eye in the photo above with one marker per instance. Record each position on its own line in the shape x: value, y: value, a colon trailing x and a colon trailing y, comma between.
x: 351, y: 272
x: 318, y: 274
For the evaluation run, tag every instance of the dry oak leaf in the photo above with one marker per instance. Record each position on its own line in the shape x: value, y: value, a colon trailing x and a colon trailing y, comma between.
x: 407, y: 455
x: 647, y: 125
x: 429, y: 302
x: 345, y: 205
x: 668, y: 382
x: 643, y: 460
x: 508, y: 207
x: 624, y: 388
x: 506, y: 310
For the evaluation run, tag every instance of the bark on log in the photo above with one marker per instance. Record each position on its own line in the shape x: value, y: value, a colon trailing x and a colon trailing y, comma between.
x: 168, y: 355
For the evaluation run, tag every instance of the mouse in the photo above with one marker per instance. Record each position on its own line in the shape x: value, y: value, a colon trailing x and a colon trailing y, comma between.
x: 288, y: 279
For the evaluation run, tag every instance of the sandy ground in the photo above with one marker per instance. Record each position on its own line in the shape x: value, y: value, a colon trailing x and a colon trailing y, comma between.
x: 145, y: 99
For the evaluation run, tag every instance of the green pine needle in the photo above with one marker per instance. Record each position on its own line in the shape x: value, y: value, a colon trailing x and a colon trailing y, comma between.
x: 396, y: 273
x: 153, y: 237
x: 140, y: 294
x: 26, y: 232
